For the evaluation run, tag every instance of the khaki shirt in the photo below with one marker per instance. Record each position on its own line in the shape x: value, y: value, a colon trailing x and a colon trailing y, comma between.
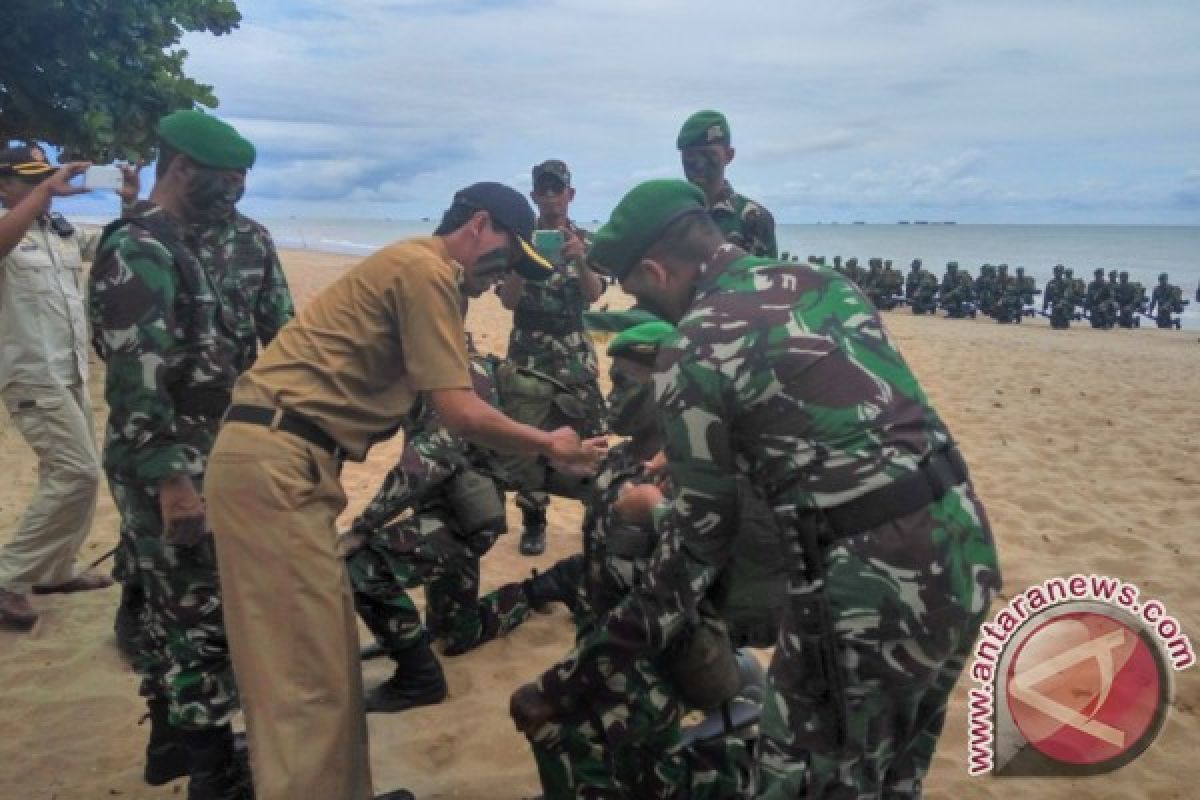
x: 43, y: 321
x: 355, y: 357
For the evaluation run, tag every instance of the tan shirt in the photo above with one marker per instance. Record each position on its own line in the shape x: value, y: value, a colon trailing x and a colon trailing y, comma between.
x: 355, y: 357
x: 43, y: 321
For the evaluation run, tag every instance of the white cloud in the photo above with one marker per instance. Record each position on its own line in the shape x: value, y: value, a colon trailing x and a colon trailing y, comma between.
x: 1001, y: 109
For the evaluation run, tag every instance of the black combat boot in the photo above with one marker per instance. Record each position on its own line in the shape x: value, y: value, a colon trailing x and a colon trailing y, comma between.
x: 417, y: 681
x: 128, y: 623
x: 217, y: 772
x: 166, y: 756
x: 559, y: 584
x: 533, y: 536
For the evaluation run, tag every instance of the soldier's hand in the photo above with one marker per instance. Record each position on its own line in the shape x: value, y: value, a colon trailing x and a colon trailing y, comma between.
x: 573, y: 246
x: 529, y: 709
x: 569, y: 455
x: 183, y: 513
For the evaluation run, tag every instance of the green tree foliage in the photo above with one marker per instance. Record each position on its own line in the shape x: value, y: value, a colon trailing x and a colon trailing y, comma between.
x: 94, y: 76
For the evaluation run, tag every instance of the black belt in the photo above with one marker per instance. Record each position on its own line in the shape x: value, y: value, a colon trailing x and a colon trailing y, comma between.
x: 288, y: 423
x: 936, y: 475
x: 203, y: 402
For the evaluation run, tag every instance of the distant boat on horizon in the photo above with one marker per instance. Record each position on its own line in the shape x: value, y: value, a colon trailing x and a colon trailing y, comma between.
x: 902, y: 222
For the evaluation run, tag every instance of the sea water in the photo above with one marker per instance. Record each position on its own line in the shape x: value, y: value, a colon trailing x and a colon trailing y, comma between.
x: 1143, y: 251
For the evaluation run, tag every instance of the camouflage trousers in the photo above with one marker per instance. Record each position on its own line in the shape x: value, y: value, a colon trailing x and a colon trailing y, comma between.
x: 857, y: 714
x: 425, y: 550
x: 627, y: 744
x: 183, y: 654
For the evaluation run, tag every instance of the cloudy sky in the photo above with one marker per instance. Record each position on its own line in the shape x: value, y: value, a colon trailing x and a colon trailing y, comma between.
x: 1010, y: 111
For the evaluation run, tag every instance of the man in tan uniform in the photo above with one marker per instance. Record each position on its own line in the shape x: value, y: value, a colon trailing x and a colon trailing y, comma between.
x: 43, y: 380
x: 335, y: 380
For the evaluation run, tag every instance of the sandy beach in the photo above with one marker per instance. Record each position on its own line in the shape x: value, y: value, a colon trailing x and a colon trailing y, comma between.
x: 1084, y: 444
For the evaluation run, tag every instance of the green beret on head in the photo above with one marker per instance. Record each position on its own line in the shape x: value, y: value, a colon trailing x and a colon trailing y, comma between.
x: 639, y: 219
x: 206, y: 140
x: 641, y: 341
x: 617, y: 321
x: 702, y: 128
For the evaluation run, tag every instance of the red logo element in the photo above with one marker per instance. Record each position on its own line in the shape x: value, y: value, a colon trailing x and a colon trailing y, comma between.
x: 1086, y: 689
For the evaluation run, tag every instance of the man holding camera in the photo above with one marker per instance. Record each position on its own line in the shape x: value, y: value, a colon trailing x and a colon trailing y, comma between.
x: 43, y: 379
x: 547, y: 332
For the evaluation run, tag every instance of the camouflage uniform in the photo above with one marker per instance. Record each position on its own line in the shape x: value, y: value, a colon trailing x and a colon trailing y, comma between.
x: 547, y: 336
x: 240, y: 256
x: 627, y: 743
x: 1128, y: 297
x: 1167, y: 298
x: 1099, y: 302
x: 171, y: 330
x: 430, y: 548
x: 924, y: 299
x: 744, y: 222
x: 826, y: 413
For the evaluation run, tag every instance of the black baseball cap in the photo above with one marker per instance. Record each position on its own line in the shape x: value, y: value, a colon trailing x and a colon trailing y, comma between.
x: 510, y: 210
x: 28, y: 163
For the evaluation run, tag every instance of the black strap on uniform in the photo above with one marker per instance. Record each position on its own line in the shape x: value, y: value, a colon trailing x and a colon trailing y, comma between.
x: 941, y: 471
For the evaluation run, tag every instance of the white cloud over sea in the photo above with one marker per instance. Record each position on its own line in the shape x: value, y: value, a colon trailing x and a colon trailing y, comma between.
x: 879, y: 110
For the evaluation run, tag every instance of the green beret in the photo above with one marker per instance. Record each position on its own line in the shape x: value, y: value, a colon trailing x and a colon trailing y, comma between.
x: 206, y: 139
x: 704, y: 127
x: 639, y: 219
x: 641, y: 341
x: 617, y: 321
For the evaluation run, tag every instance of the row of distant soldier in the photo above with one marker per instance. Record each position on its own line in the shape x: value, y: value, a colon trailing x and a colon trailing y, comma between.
x: 1115, y: 302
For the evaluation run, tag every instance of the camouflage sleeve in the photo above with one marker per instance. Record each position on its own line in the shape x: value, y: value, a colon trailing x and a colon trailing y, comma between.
x: 430, y: 457
x: 131, y: 302
x: 765, y: 234
x: 274, y: 307
x: 696, y: 534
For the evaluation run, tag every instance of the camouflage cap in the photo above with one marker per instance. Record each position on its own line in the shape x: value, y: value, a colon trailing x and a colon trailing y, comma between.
x: 552, y: 168
x: 702, y: 128
x: 206, y: 140
x: 28, y: 163
x: 639, y: 219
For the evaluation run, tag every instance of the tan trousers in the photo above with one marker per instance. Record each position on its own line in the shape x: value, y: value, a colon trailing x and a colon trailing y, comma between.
x: 273, y: 500
x: 56, y: 421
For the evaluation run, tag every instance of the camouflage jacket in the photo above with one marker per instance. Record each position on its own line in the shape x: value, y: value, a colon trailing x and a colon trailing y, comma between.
x: 561, y: 295
x: 611, y: 568
x: 167, y: 333
x: 745, y: 223
x: 432, y: 455
x: 241, y: 257
x: 783, y: 374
